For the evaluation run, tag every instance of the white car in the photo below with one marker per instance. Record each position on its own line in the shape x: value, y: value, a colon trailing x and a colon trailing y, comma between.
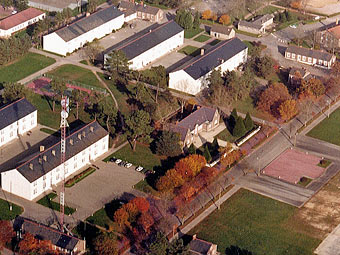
x: 118, y: 161
x: 139, y: 168
x: 128, y: 165
x: 293, y: 26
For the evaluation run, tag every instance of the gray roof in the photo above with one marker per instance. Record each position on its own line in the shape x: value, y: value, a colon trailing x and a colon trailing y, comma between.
x: 133, y: 47
x: 198, y: 117
x: 125, y: 5
x: 223, y: 51
x: 221, y: 29
x: 41, y: 167
x: 43, y: 232
x: 257, y: 22
x: 89, y: 23
x: 15, y: 111
x: 183, y: 132
x: 198, y: 246
x: 317, y: 54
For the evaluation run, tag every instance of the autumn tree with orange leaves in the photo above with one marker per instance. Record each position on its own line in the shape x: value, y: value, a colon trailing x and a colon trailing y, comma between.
x: 224, y: 19
x: 121, y: 216
x: 145, y: 221
x: 6, y: 233
x: 141, y: 203
x: 30, y: 245
x: 228, y: 158
x: 296, y: 4
x: 288, y: 109
x: 207, y: 14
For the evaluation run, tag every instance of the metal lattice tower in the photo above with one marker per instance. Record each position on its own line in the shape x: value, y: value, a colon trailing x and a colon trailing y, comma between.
x: 63, y: 125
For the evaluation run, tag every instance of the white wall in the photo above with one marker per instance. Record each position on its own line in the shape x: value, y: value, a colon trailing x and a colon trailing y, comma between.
x: 131, y: 17
x: 19, y: 127
x: 9, y: 32
x: 32, y: 190
x: 158, y: 51
x: 53, y: 43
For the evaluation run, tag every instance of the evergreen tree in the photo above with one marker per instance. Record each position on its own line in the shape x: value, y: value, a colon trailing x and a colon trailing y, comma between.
x: 215, y: 145
x: 288, y: 15
x: 207, y: 154
x: 187, y: 20
x: 283, y: 17
x: 248, y: 122
x: 232, y: 119
x: 159, y: 245
x: 239, y: 129
x: 168, y: 144
x: 192, y: 149
x: 197, y: 21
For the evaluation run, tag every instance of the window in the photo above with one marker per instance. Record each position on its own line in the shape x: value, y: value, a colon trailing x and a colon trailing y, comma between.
x: 320, y: 62
x: 299, y: 57
x: 44, y: 185
x: 2, y: 132
x: 288, y: 55
x: 325, y: 63
x: 310, y: 60
x: 11, y: 134
x: 83, y: 160
x: 32, y: 115
x: 2, y: 139
x: 34, y: 191
x: 35, y: 183
x: 57, y: 177
x: 303, y: 58
x: 44, y: 177
x: 75, y: 165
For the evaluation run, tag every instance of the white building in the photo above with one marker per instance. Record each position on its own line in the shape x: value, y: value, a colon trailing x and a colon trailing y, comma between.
x: 16, y: 119
x: 56, y: 5
x: 150, y: 44
x: 140, y: 10
x: 33, y: 176
x: 74, y: 36
x: 259, y: 25
x: 192, y: 77
x: 222, y: 32
x: 19, y: 21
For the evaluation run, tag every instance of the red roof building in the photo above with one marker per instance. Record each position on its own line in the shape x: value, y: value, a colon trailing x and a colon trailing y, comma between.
x: 19, y: 21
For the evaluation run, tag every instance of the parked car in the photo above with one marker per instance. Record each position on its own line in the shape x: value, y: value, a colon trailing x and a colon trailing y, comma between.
x: 112, y: 159
x: 122, y: 163
x: 118, y: 161
x: 139, y: 168
x: 128, y: 165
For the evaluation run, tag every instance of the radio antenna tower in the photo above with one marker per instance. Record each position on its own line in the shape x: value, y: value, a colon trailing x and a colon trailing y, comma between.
x: 63, y: 124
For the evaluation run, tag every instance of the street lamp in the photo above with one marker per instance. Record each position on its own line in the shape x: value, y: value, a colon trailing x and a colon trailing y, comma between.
x: 329, y: 107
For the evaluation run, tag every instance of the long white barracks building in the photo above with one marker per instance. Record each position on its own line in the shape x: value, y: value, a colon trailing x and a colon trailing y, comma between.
x: 32, y: 176
x: 16, y: 119
x: 192, y: 77
x: 72, y: 37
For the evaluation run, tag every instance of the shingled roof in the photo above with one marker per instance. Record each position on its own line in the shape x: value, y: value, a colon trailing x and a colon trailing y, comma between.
x: 151, y: 38
x: 89, y: 23
x: 214, y: 57
x: 317, y: 54
x: 257, y: 22
x: 221, y: 29
x: 198, y: 117
x: 43, y: 232
x: 138, y: 7
x: 15, y: 111
x: 81, y: 139
x: 18, y: 18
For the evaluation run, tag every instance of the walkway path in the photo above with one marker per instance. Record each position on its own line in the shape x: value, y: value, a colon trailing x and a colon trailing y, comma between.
x: 105, y: 86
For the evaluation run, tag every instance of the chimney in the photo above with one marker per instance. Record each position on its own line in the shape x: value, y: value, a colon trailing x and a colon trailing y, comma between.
x: 337, y: 21
x: 71, y: 141
x: 194, y: 237
x: 91, y: 129
x: 40, y: 160
x: 83, y: 133
x: 79, y: 136
x: 42, y: 148
x: 31, y: 166
x: 53, y: 152
x: 45, y: 158
x: 202, y: 52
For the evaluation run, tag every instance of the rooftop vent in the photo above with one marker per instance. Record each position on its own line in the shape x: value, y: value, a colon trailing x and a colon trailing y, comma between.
x: 45, y: 158
x: 71, y: 141
x: 83, y: 133
x: 202, y: 52
x: 91, y: 129
x: 31, y: 166
x: 40, y: 161
x: 42, y: 148
x: 79, y: 136
x: 53, y: 152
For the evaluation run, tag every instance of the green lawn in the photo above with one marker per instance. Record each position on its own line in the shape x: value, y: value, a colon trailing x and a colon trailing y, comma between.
x: 202, y: 38
x: 24, y: 66
x: 329, y: 129
x: 5, y: 213
x: 100, y: 218
x: 324, y: 163
x: 268, y: 10
x: 47, y: 202
x: 257, y: 224
x: 190, y: 33
x: 145, y: 187
x: 226, y: 136
x: 77, y: 74
x: 247, y: 105
x: 214, y: 42
x: 142, y: 156
x: 190, y: 51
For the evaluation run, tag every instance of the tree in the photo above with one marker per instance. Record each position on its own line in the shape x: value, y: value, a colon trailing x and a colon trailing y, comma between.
x: 228, y: 158
x: 296, y: 4
x: 263, y: 66
x: 92, y: 50
x: 121, y: 216
x: 145, y: 221
x: 288, y: 109
x: 178, y: 248
x: 214, y: 145
x: 138, y: 125
x: 21, y: 4
x: 197, y: 21
x: 78, y: 98
x: 58, y: 87
x: 232, y: 119
x: 109, y: 113
x: 132, y: 211
x: 30, y: 245
x: 13, y: 91
x: 164, y: 184
x: 141, y: 203
x: 6, y: 233
x: 158, y: 78
x: 248, y: 122
x: 175, y: 178
x: 336, y: 69
x: 192, y: 149
x: 168, y: 144
x: 239, y: 129
x: 288, y: 15
x: 184, y: 18
x: 224, y: 19
x: 188, y: 22
x: 106, y: 244
x: 117, y: 64
x: 316, y: 87
x: 206, y: 14
x: 92, y: 6
x: 283, y: 17
x: 213, y: 17
x: 207, y: 154
x: 159, y: 245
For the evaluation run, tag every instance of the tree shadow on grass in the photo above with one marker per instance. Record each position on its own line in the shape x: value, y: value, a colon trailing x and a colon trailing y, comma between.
x: 235, y: 250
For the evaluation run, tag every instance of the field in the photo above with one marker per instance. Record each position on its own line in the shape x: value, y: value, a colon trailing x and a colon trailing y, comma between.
x: 329, y: 129
x: 23, y: 67
x: 202, y: 38
x: 5, y: 213
x: 256, y: 224
x: 190, y: 51
x: 190, y: 33
x: 76, y: 73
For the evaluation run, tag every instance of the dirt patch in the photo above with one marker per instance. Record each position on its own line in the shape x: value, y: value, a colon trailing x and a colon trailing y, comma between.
x: 320, y: 4
x: 321, y: 214
x: 5, y: 12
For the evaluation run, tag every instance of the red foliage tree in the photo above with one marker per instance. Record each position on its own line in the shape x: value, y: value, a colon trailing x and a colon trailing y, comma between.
x: 145, y: 221
x: 31, y: 245
x: 121, y: 216
x: 132, y: 211
x: 142, y: 204
x: 6, y: 233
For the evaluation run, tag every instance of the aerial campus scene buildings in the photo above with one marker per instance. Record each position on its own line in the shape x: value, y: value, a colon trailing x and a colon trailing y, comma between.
x: 169, y: 127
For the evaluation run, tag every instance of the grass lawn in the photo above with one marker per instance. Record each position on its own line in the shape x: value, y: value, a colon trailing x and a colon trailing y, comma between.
x: 268, y: 10
x: 226, y: 136
x: 145, y: 187
x: 47, y: 201
x: 24, y: 66
x: 6, y: 214
x: 247, y: 105
x: 190, y: 51
x: 329, y: 129
x: 324, y: 163
x: 202, y: 38
x: 304, y: 181
x: 142, y: 156
x: 257, y: 224
x: 190, y: 33
x: 100, y: 218
x: 76, y: 73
